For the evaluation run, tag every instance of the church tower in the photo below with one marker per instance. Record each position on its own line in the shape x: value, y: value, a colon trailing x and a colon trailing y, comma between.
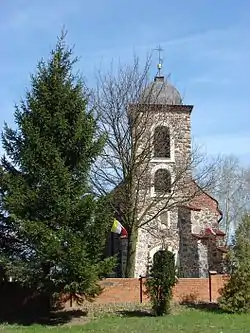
x: 168, y: 216
x: 167, y: 129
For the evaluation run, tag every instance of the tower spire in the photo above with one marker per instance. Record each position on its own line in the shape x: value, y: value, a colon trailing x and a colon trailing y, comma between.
x: 160, y: 60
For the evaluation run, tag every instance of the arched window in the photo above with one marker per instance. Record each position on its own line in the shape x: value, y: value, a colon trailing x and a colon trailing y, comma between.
x: 162, y: 142
x: 162, y: 181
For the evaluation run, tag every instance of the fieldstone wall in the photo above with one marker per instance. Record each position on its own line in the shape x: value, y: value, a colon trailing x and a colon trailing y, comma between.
x: 210, y: 258
x: 215, y: 256
x: 194, y: 257
x: 197, y: 256
x: 203, y: 219
x: 188, y: 246
x: 161, y: 233
x: 173, y: 229
x: 203, y: 258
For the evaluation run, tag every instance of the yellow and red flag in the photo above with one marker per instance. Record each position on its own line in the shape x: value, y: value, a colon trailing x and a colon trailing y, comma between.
x: 117, y: 228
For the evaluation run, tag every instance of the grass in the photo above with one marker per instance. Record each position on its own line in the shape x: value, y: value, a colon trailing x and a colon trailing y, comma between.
x: 194, y: 321
x: 182, y: 321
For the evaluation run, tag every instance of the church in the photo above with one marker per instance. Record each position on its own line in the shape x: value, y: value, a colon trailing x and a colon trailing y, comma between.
x: 188, y: 228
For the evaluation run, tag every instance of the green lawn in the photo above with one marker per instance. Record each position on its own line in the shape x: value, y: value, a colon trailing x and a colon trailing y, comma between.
x: 188, y: 321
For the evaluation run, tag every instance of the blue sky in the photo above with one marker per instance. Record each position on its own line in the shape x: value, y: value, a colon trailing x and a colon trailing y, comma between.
x: 206, y: 43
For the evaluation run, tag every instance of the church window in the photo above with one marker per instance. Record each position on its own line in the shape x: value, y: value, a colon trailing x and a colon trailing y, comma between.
x: 162, y: 181
x: 162, y: 142
x: 165, y: 218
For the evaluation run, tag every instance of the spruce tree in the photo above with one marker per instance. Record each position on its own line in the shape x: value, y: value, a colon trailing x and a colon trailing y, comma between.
x: 53, y: 230
x: 235, y: 296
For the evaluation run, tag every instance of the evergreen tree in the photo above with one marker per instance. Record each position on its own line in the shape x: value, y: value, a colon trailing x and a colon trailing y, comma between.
x: 235, y: 296
x: 161, y: 281
x: 53, y: 230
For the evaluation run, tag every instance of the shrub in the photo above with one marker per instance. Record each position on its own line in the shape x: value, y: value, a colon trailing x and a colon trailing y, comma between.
x: 161, y: 281
x: 235, y: 296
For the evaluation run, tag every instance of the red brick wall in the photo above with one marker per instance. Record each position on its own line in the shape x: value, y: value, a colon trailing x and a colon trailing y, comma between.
x: 191, y: 289
x: 128, y: 290
x: 118, y: 290
x: 218, y: 281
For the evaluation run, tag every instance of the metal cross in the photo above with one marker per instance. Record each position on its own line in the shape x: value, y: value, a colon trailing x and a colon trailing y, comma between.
x: 159, y: 65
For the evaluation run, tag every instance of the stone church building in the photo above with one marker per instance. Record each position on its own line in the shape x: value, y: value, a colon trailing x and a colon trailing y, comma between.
x: 191, y: 229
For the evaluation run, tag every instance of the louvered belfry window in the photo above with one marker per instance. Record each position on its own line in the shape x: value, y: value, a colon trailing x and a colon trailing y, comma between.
x: 162, y: 181
x: 162, y: 142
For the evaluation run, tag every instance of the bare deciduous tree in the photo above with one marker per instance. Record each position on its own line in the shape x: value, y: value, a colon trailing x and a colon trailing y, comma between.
x: 232, y: 190
x: 128, y: 108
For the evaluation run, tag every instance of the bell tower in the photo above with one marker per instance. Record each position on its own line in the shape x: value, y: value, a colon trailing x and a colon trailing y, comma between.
x: 167, y: 132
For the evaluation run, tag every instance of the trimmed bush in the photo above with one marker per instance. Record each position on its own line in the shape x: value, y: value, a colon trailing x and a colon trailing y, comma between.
x: 161, y: 281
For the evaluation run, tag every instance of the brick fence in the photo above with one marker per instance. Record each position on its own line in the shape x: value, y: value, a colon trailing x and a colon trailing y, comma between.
x: 118, y: 290
x: 200, y: 289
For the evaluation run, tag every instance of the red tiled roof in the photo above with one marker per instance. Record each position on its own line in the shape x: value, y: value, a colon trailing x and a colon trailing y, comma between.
x: 220, y: 232
x: 205, y: 234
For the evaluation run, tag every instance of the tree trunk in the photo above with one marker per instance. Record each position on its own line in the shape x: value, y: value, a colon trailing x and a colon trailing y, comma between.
x: 131, y: 252
x: 46, y: 292
x: 45, y: 305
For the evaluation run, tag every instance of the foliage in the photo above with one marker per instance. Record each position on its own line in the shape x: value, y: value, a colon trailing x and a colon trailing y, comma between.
x: 161, y: 281
x: 236, y: 294
x: 53, y: 229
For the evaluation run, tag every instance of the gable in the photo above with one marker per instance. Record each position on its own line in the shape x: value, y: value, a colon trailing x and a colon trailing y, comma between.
x: 203, y: 200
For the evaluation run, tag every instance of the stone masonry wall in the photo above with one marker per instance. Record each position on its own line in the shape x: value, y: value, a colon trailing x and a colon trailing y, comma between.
x: 209, y: 257
x: 215, y: 257
x: 175, y: 233
x: 188, y: 247
x: 194, y: 256
x: 158, y: 233
x: 203, y: 258
x: 204, y: 218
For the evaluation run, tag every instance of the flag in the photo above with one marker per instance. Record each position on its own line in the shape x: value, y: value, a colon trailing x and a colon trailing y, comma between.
x: 117, y: 228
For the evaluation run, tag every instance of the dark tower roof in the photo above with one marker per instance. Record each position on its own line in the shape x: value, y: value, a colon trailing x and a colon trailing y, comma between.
x: 160, y: 91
